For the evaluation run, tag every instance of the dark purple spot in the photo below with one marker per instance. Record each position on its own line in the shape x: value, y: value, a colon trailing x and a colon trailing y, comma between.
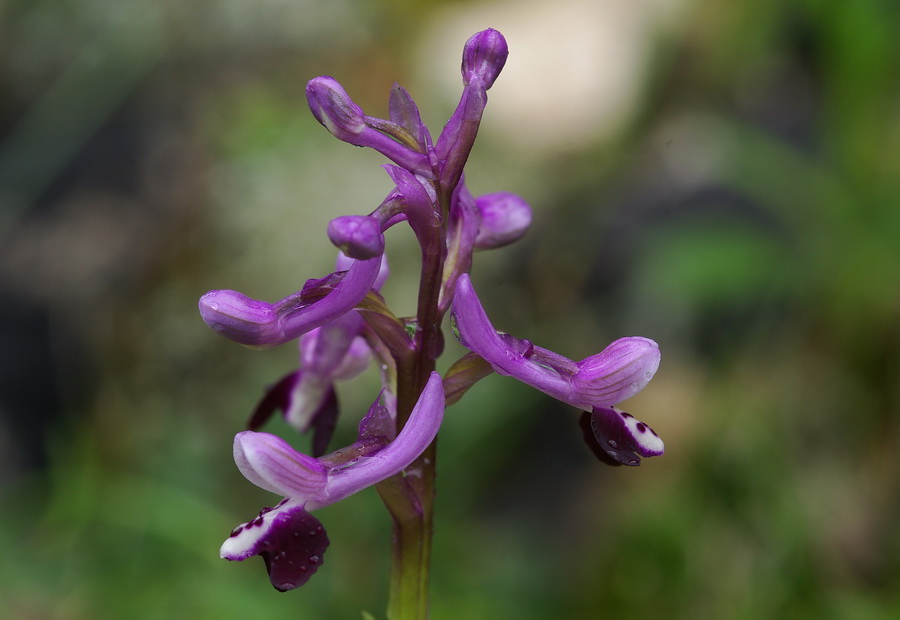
x: 642, y: 428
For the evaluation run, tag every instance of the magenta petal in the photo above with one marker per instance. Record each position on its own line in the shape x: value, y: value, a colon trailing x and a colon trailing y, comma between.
x: 245, y: 320
x: 618, y: 372
x: 260, y: 324
x: 272, y: 464
x: 419, y: 431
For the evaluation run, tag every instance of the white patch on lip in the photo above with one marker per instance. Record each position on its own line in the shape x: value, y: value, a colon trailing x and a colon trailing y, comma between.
x: 245, y: 539
x: 647, y: 442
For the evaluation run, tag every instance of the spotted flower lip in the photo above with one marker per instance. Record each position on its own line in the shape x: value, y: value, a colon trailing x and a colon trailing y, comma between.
x: 256, y: 323
x: 286, y: 535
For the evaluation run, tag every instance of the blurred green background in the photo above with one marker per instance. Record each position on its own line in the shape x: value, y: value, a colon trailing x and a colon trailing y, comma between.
x: 723, y: 177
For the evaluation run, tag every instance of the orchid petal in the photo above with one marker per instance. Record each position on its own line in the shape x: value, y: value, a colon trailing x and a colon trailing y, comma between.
x: 259, y: 324
x: 477, y: 334
x: 272, y: 464
x: 419, y: 431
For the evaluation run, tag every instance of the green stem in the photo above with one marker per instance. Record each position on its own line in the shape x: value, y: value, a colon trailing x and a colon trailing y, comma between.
x: 411, y: 550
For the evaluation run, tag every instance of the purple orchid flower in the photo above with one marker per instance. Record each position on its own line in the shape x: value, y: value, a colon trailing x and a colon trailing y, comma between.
x: 336, y: 111
x: 594, y: 384
x: 290, y: 540
x: 260, y: 324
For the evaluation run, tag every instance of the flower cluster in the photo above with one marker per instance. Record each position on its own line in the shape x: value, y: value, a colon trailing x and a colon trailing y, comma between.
x: 341, y: 322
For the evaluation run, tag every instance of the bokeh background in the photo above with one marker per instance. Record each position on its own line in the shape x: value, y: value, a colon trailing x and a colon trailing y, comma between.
x: 723, y: 177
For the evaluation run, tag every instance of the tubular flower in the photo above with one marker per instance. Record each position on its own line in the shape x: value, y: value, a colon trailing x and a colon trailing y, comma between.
x: 260, y: 324
x: 289, y: 539
x: 594, y: 384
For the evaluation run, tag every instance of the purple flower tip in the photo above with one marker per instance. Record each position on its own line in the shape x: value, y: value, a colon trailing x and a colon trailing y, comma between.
x: 505, y: 218
x: 332, y: 106
x: 484, y: 55
x: 618, y: 372
x: 357, y: 236
x: 242, y: 319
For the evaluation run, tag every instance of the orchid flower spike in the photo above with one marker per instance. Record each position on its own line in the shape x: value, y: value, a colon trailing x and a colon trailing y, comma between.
x: 290, y: 540
x: 594, y: 384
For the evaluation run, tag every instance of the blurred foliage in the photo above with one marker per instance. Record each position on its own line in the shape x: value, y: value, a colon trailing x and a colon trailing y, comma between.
x: 744, y: 214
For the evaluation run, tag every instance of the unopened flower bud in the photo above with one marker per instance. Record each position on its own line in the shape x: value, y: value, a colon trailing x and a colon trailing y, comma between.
x: 505, y: 218
x: 357, y: 236
x: 484, y: 55
x: 332, y: 106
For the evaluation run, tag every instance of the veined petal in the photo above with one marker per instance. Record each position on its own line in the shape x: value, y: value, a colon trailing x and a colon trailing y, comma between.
x: 290, y: 540
x: 618, y: 372
x: 272, y: 464
x: 419, y: 431
x: 243, y: 319
x: 260, y: 324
